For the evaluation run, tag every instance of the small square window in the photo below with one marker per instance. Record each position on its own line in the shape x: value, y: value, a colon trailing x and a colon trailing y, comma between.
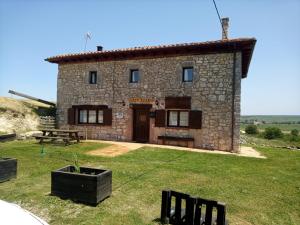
x: 134, y: 76
x: 187, y: 74
x: 93, y: 77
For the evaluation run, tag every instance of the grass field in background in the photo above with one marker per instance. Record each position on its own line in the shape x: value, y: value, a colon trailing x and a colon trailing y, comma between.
x: 272, y: 118
x: 286, y: 128
x: 257, y: 191
x: 285, y: 123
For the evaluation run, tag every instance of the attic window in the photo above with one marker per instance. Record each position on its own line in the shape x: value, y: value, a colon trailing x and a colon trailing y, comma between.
x: 134, y: 76
x: 93, y: 77
x: 187, y: 74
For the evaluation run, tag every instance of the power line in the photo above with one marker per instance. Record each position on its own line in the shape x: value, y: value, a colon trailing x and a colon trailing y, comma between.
x: 147, y: 172
x: 220, y: 19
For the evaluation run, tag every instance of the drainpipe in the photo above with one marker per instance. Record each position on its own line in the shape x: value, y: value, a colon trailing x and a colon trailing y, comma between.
x: 233, y: 99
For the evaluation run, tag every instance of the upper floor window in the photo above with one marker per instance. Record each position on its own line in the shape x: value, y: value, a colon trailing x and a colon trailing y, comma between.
x: 187, y: 74
x: 93, y: 77
x: 134, y: 76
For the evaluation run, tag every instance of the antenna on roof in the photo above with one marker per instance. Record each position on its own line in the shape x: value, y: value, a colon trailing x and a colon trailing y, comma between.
x: 87, y: 36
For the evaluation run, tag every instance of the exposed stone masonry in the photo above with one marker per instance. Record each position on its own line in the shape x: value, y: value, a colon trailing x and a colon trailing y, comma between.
x: 210, y: 91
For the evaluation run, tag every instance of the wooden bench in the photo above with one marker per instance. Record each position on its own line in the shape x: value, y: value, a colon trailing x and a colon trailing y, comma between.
x: 64, y: 138
x: 197, y: 211
x: 73, y: 134
x: 181, y: 141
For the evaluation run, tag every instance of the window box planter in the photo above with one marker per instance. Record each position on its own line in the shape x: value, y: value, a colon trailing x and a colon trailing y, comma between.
x: 8, y: 169
x: 89, y: 186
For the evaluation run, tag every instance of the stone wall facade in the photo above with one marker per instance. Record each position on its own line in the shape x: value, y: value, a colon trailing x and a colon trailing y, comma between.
x: 212, y: 91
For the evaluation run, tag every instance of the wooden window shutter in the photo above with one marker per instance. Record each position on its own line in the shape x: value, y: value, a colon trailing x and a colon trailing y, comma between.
x: 160, y: 118
x: 178, y: 102
x: 107, y: 116
x: 71, y: 116
x: 195, y: 119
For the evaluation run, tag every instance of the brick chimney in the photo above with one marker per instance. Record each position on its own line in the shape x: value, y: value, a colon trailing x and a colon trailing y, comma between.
x: 225, y: 24
x: 99, y: 48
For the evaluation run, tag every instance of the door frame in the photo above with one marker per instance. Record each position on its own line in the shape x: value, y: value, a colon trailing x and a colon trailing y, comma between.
x: 136, y: 107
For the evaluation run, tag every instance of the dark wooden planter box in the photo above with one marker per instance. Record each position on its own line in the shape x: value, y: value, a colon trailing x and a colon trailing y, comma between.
x: 89, y: 186
x: 8, y: 169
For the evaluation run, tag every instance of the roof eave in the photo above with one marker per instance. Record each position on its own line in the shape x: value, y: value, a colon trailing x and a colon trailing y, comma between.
x: 246, y: 46
x: 249, y: 58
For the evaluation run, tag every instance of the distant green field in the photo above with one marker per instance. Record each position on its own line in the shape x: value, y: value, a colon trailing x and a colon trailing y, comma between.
x: 283, y: 127
x: 272, y: 118
x: 285, y: 123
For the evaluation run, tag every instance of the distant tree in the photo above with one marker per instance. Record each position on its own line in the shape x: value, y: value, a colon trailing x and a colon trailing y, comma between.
x: 272, y: 133
x: 294, y: 132
x: 251, y: 129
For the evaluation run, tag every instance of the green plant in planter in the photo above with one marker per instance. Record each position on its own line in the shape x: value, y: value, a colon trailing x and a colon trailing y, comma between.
x: 76, y: 163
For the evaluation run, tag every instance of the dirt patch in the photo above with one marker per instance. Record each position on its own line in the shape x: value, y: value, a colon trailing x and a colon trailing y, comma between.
x: 250, y: 152
x: 118, y: 148
x: 110, y: 151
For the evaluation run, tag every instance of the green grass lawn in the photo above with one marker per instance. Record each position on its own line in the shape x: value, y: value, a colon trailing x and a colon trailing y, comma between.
x: 257, y: 191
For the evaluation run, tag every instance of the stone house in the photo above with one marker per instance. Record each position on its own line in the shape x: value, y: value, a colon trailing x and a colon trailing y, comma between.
x: 182, y: 94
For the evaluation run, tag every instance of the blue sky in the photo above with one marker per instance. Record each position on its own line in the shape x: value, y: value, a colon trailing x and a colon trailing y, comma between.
x: 33, y: 30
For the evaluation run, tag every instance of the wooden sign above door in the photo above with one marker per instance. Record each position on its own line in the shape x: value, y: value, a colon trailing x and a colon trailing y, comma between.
x: 141, y: 100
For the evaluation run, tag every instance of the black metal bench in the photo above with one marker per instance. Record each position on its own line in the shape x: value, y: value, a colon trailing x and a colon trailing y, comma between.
x: 188, y: 140
x: 197, y: 211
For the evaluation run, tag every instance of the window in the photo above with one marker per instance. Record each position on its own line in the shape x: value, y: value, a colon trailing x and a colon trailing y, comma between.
x: 173, y: 118
x: 187, y: 74
x: 100, y: 116
x: 91, y: 116
x: 177, y: 118
x: 134, y: 76
x: 83, y: 116
x: 93, y: 77
x: 183, y: 119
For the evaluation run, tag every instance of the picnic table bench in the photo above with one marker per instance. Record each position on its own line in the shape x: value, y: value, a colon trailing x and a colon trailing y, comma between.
x: 57, y: 134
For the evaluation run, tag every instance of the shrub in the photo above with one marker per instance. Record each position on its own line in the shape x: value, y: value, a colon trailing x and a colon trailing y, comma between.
x: 272, y: 133
x: 294, y: 132
x: 251, y: 129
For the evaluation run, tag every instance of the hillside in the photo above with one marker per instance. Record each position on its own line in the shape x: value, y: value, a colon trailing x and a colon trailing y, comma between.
x: 18, y: 115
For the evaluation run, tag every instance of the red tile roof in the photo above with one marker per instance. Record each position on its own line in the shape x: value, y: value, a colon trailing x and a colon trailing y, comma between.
x: 245, y: 45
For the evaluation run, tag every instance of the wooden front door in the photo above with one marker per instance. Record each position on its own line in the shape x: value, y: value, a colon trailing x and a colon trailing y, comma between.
x: 141, y: 124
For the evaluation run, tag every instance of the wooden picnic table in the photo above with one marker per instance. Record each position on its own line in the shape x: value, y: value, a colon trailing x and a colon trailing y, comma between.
x: 55, y: 134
